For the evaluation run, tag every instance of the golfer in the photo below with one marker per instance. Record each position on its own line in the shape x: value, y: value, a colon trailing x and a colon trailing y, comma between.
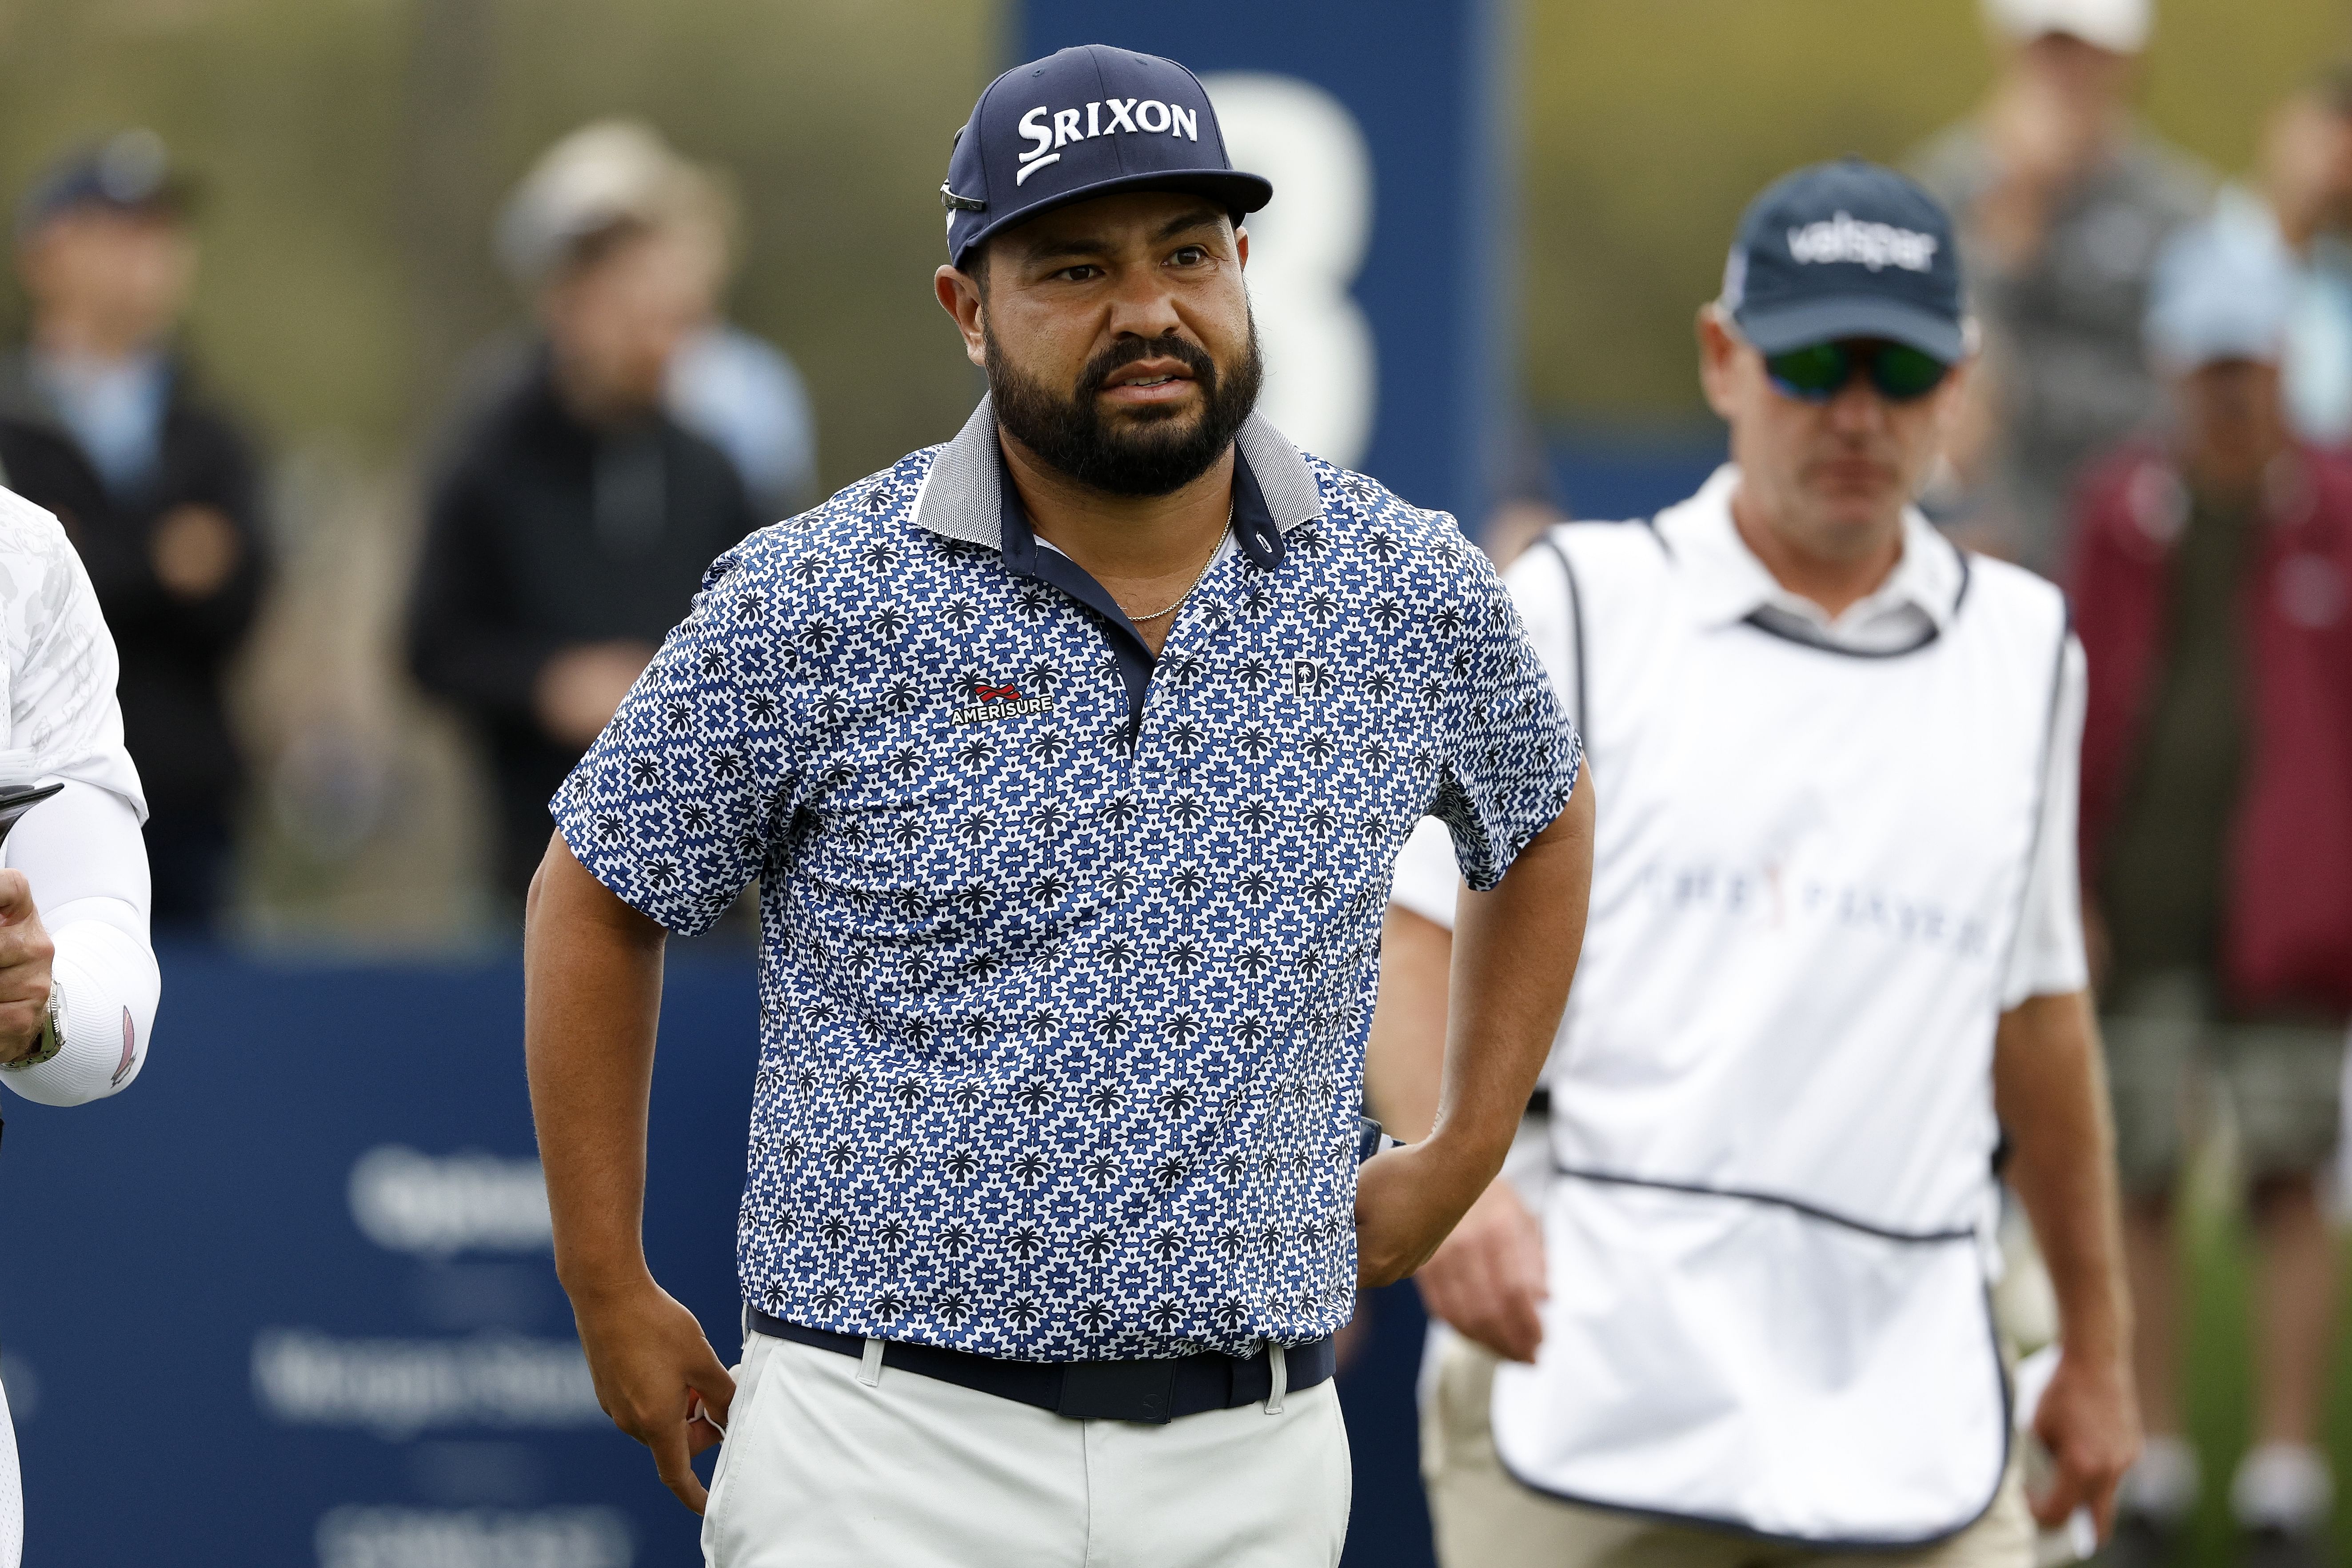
x: 1072, y: 759
x: 79, y: 984
x: 1835, y: 949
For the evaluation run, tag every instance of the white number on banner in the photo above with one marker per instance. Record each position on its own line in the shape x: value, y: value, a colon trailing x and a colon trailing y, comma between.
x: 1321, y: 375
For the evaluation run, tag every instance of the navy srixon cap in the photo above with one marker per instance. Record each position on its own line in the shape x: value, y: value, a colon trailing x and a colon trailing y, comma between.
x: 1087, y: 122
x: 1847, y: 249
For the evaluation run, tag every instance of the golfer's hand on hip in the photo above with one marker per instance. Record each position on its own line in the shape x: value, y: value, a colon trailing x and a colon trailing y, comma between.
x: 651, y: 1363
x: 1406, y: 1201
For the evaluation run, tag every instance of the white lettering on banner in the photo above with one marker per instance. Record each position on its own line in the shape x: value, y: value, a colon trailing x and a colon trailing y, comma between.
x: 408, y: 1202
x: 365, y: 1537
x: 1322, y: 376
x: 1876, y: 246
x: 397, y: 1388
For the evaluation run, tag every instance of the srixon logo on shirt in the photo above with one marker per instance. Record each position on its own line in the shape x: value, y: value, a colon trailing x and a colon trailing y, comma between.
x: 985, y: 703
x: 1106, y: 117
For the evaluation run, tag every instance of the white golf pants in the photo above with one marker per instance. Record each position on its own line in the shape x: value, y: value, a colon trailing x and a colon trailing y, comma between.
x: 822, y: 1470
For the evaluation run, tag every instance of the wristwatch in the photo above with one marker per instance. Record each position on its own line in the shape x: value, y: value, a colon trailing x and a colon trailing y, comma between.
x: 53, y: 1034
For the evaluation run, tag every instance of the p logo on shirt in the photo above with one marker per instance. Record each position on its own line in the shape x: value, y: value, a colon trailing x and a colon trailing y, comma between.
x: 1310, y: 678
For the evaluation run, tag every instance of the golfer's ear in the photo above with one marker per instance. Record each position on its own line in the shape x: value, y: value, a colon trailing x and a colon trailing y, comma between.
x: 959, y: 295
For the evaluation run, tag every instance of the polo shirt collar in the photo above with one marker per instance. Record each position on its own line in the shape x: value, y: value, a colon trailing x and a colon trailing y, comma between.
x: 965, y: 495
x: 1727, y: 583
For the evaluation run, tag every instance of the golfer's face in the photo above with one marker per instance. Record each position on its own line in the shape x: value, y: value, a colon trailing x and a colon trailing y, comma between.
x: 1076, y: 284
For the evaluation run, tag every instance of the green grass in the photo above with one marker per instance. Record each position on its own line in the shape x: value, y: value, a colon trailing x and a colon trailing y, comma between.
x: 2219, y: 1386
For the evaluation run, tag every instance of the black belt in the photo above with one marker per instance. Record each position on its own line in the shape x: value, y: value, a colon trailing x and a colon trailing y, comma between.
x: 1155, y: 1392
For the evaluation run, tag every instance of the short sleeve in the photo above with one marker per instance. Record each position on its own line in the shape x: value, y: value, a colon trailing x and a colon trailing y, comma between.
x: 1511, y: 757
x: 2047, y: 958
x: 675, y: 805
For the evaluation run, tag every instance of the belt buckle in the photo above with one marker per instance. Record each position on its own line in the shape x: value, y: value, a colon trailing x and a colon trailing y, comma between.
x: 1140, y: 1391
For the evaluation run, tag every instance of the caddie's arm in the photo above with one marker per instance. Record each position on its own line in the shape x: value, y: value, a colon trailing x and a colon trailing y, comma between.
x: 1515, y: 951
x: 2051, y: 1092
x: 592, y: 977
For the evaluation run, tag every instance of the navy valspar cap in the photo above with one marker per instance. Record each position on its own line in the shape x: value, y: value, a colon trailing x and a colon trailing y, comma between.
x: 1087, y: 122
x: 1846, y: 250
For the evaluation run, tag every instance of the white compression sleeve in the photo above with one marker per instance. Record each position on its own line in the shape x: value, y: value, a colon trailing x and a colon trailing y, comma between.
x: 88, y: 864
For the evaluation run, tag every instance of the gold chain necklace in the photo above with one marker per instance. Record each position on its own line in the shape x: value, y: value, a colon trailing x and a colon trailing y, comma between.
x: 1217, y: 551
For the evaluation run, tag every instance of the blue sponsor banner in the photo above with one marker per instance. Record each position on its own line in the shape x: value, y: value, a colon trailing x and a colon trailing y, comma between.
x: 289, y: 1301
x: 1382, y: 271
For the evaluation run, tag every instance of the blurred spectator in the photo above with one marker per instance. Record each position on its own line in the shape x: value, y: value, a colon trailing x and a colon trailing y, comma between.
x: 735, y: 390
x: 42, y: 464
x: 172, y: 541
x: 2062, y: 201
x: 2303, y: 203
x: 2212, y: 581
x: 572, y: 527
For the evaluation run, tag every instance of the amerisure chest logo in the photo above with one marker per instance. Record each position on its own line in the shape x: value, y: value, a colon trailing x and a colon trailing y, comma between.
x: 985, y: 703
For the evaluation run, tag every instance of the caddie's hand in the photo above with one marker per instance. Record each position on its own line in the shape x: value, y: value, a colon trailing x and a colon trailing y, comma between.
x: 1486, y: 1279
x: 650, y: 1361
x: 26, y: 953
x: 1406, y: 1201
x: 2089, y: 1420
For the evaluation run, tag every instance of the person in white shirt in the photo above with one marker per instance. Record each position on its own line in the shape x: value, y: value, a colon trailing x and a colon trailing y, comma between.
x: 1726, y: 1307
x: 79, y: 984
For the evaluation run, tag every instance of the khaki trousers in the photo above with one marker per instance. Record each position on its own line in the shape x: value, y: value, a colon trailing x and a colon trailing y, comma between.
x: 1483, y: 1518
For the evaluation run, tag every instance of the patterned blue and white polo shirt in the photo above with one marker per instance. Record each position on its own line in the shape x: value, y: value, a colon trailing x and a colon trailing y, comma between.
x: 1067, y: 956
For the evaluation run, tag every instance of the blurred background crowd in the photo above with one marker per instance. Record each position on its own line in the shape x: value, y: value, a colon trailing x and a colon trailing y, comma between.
x: 401, y: 363
x: 397, y: 365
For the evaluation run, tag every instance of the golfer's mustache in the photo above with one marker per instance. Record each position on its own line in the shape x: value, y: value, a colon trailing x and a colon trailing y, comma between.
x: 1203, y: 368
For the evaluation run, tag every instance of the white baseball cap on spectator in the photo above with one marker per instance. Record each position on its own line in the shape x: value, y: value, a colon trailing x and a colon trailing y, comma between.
x: 605, y: 174
x: 2218, y: 292
x: 2119, y: 26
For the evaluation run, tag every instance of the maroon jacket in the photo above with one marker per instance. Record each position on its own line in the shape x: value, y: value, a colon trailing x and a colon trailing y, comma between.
x: 2287, y: 926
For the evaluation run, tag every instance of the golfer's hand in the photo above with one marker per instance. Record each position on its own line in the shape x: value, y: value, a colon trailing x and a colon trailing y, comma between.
x: 1406, y: 1200
x: 2089, y: 1420
x: 1486, y: 1279
x: 650, y: 1360
x: 25, y: 954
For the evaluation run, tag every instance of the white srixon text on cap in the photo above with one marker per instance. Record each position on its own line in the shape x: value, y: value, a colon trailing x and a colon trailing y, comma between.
x: 1102, y: 117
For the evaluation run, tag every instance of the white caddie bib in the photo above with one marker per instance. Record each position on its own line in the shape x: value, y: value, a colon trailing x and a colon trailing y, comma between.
x: 1772, y: 1113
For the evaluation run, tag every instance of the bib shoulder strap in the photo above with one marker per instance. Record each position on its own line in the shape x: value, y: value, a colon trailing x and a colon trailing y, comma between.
x: 1549, y: 541
x: 1618, y: 576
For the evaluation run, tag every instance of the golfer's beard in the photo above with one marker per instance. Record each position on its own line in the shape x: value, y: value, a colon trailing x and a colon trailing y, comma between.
x: 1138, y: 457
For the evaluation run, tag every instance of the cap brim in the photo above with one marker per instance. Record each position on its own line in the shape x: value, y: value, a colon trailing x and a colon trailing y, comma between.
x: 1777, y: 329
x: 1238, y: 191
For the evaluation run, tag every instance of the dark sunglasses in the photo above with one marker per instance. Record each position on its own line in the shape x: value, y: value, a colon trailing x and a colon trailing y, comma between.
x: 1819, y: 372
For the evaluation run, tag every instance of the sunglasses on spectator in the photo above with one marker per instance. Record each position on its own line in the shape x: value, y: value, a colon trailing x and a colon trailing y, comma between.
x: 1819, y: 372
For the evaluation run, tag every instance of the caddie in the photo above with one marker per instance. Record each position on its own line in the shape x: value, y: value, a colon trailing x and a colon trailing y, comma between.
x: 1072, y: 758
x: 1738, y: 1316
